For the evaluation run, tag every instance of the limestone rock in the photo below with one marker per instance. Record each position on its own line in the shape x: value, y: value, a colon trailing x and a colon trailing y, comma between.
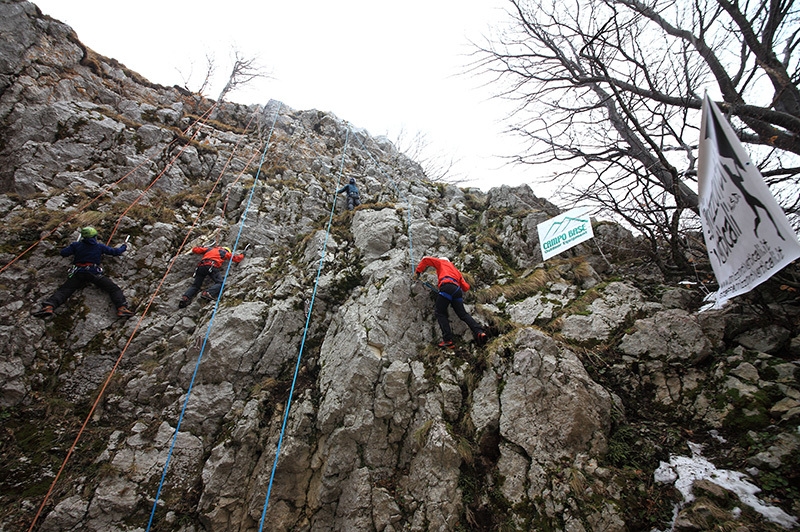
x: 66, y: 515
x: 767, y: 339
x: 384, y: 431
x: 673, y: 336
x: 550, y: 385
x: 375, y: 232
x: 619, y: 301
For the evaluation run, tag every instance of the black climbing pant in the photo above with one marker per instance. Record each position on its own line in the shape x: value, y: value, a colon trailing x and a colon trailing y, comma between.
x: 81, y: 279
x: 200, y: 275
x: 451, y: 295
x: 353, y: 202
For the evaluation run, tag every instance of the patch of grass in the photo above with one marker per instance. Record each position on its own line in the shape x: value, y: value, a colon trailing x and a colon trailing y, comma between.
x: 200, y: 146
x: 581, y: 305
x: 122, y: 119
x: 195, y: 196
x: 346, y: 281
x: 152, y: 214
x: 421, y: 434
x: 532, y: 284
x: 221, y: 126
x: 582, y: 271
x: 150, y: 115
x: 749, y: 412
x: 638, y: 447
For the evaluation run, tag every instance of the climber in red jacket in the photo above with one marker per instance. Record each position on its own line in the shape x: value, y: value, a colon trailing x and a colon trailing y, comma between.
x: 209, y: 266
x: 452, y: 286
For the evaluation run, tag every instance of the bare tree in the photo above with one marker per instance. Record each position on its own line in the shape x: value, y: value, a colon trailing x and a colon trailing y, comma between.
x: 437, y: 166
x: 244, y: 71
x: 209, y: 74
x: 610, y: 90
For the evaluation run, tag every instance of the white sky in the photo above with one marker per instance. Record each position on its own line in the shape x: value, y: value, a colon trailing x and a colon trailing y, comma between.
x: 385, y: 67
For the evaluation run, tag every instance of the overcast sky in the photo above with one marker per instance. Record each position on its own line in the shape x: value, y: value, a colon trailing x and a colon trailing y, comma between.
x: 386, y: 67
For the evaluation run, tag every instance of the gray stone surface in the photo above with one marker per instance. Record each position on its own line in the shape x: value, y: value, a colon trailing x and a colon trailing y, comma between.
x: 385, y: 431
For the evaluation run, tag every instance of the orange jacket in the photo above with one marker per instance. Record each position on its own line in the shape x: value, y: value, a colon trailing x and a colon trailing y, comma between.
x: 215, y: 256
x: 445, y: 271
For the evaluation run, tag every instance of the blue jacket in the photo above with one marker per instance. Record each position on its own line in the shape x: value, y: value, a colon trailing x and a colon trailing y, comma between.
x: 90, y: 251
x: 351, y: 190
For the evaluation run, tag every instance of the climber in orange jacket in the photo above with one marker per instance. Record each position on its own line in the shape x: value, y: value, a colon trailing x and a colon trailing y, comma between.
x: 209, y: 266
x: 452, y: 286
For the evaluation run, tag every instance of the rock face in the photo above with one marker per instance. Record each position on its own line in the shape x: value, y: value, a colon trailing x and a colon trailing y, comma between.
x: 587, y: 385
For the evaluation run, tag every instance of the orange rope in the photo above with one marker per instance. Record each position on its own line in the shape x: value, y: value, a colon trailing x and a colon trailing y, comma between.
x: 203, y: 118
x: 70, y: 218
x: 228, y: 195
x: 83, y: 207
x: 135, y: 330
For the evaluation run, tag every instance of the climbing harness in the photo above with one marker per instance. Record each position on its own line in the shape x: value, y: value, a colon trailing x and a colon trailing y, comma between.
x: 452, y: 297
x: 303, y: 341
x: 208, y: 267
x: 85, y: 267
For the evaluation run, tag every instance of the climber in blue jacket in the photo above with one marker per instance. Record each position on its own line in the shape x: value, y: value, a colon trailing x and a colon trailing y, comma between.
x: 353, y: 198
x: 87, y: 254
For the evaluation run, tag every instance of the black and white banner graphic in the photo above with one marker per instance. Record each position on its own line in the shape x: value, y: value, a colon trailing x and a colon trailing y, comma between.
x: 747, y: 234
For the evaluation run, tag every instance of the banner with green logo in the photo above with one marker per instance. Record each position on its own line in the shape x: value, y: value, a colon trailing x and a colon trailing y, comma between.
x: 564, y: 231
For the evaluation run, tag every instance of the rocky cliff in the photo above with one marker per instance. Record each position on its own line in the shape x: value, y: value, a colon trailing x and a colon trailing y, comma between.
x: 599, y: 384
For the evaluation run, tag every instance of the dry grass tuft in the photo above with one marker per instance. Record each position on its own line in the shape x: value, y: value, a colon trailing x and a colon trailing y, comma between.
x: 521, y: 289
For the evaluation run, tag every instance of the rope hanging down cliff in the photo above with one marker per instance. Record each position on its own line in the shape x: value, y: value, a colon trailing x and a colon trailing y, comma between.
x: 106, y: 190
x: 128, y: 343
x: 210, y: 324
x: 164, y: 171
x: 305, y: 333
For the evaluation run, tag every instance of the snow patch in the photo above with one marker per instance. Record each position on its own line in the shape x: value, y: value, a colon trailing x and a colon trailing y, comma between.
x: 683, y: 471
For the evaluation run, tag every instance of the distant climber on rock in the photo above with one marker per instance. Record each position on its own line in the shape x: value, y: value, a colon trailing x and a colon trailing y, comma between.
x: 209, y: 266
x: 353, y: 198
x: 87, y: 253
x: 452, y: 286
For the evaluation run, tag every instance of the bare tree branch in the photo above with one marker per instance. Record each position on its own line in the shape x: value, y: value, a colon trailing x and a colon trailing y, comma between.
x: 209, y: 74
x: 244, y: 71
x: 610, y: 90
x: 437, y: 166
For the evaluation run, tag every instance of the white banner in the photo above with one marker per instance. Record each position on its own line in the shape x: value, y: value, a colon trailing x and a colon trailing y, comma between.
x: 746, y: 232
x: 564, y: 231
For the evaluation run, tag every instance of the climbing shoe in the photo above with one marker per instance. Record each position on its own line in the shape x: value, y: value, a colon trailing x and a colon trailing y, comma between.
x: 207, y: 296
x: 44, y: 312
x: 447, y: 344
x: 184, y: 302
x: 124, y: 312
x: 480, y: 338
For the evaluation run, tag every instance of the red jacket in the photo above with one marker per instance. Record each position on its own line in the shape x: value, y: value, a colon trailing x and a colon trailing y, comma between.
x: 445, y: 271
x: 215, y: 256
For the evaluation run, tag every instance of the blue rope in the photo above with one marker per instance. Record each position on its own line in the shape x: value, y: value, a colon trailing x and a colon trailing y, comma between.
x: 305, y: 333
x: 401, y: 196
x: 210, y: 324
